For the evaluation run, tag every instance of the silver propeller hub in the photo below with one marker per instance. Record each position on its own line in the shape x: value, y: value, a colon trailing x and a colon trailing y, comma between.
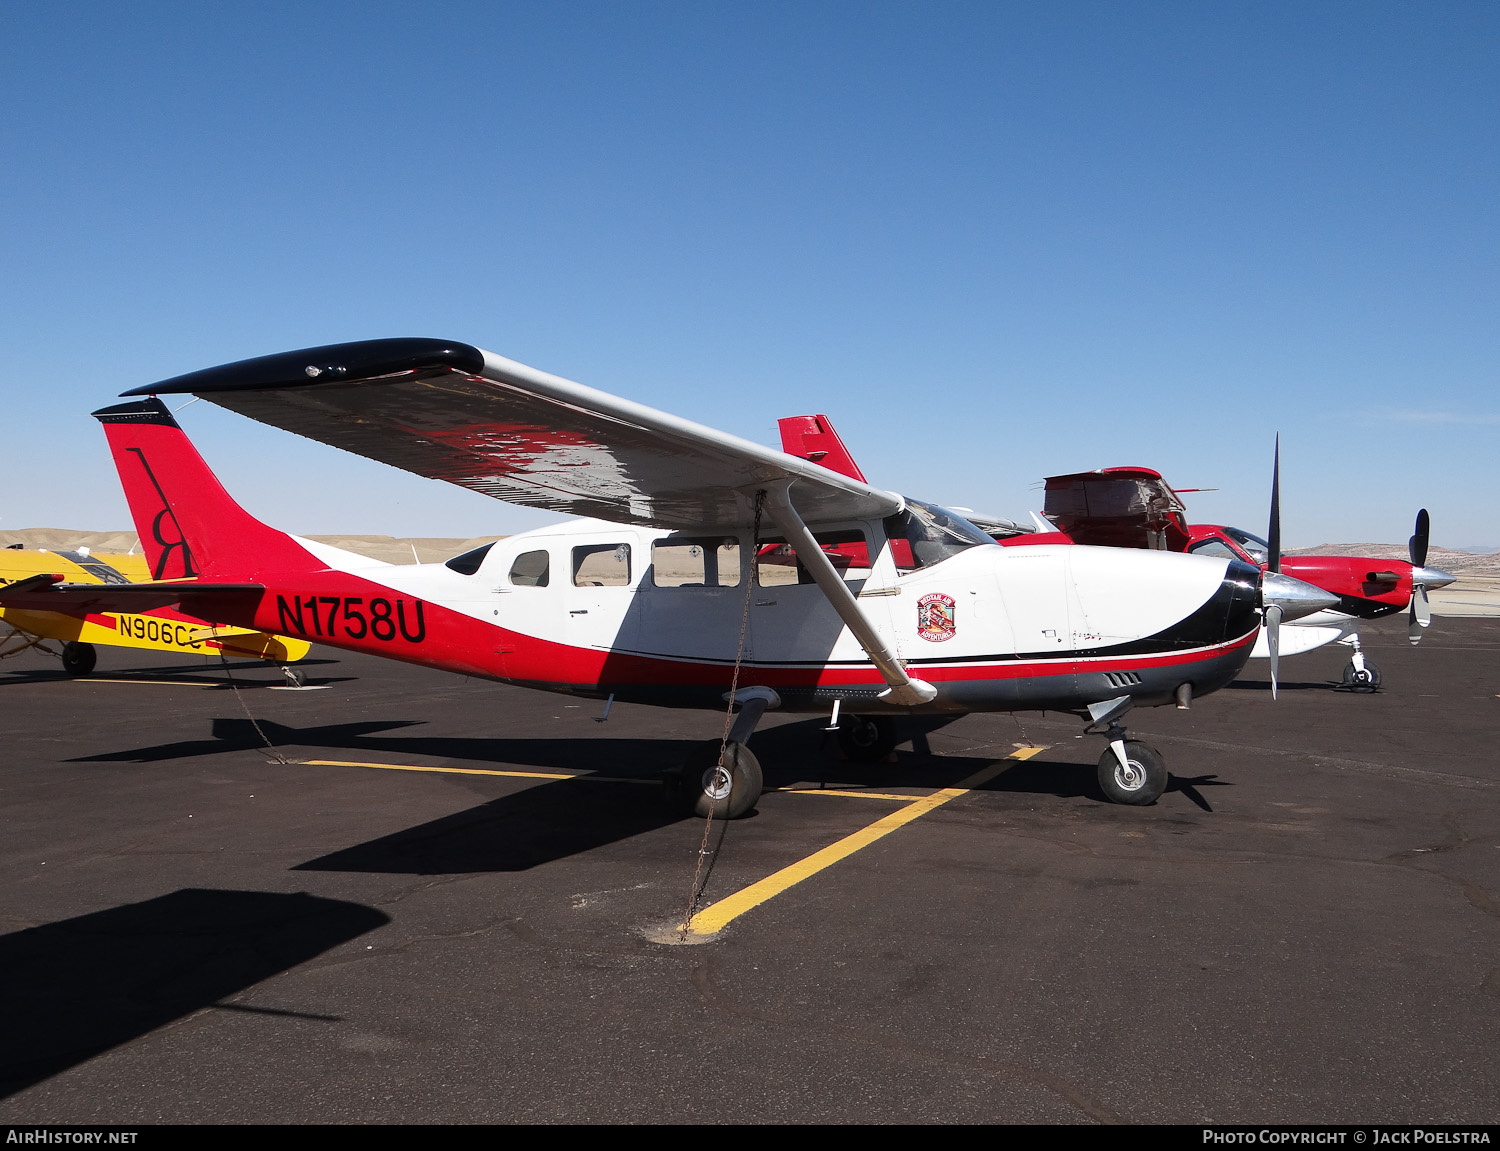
x: 1294, y: 597
x: 1431, y: 577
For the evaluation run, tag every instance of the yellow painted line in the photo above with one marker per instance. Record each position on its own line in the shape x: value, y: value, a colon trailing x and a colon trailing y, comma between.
x: 483, y: 771
x: 444, y: 770
x: 151, y: 682
x: 717, y: 916
x: 846, y: 794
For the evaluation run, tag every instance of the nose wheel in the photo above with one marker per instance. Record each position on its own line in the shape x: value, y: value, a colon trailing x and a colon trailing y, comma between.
x: 1131, y: 772
x: 1360, y: 675
x: 1360, y: 679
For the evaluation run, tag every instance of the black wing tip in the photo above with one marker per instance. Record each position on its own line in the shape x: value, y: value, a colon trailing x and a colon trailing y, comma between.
x: 331, y: 363
x: 149, y: 411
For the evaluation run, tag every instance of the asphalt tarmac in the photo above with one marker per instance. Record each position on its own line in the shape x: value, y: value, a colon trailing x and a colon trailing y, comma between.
x: 1305, y: 928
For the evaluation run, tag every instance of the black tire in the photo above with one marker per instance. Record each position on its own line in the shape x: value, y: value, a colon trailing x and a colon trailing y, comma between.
x: 867, y: 738
x: 79, y: 658
x: 1145, y: 782
x: 700, y: 783
x: 1365, y: 682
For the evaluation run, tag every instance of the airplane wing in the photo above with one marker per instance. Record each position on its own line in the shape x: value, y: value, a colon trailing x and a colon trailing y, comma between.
x: 454, y: 412
x: 48, y: 593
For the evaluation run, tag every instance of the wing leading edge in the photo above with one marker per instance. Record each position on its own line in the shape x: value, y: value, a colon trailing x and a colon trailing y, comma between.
x: 457, y: 413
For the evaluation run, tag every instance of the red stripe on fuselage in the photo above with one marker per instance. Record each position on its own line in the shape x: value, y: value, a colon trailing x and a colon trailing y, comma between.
x: 359, y: 614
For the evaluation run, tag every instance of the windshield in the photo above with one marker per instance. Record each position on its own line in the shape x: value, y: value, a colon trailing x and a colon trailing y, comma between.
x: 925, y: 534
x: 1258, y: 549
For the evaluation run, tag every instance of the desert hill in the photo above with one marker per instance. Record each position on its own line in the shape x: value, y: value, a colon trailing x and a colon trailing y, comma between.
x: 418, y: 549
x: 1465, y: 564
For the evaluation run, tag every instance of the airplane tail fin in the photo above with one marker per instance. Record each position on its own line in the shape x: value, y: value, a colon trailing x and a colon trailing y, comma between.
x: 190, y: 527
x: 813, y: 438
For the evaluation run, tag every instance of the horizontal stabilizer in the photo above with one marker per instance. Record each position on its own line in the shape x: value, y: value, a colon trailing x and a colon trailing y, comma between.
x: 43, y: 593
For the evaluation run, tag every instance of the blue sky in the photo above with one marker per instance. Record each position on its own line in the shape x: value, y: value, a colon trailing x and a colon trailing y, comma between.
x: 992, y: 241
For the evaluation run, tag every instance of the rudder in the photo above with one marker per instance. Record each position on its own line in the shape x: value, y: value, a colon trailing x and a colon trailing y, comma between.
x: 189, y: 526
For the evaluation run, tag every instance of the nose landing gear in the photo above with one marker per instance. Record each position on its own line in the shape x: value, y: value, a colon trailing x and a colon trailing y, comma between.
x: 1130, y: 772
x: 1360, y: 675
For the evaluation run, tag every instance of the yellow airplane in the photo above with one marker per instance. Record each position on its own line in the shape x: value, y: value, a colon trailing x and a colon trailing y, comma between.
x: 159, y: 629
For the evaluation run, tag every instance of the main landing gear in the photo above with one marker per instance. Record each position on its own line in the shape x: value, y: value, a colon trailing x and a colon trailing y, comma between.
x: 79, y: 658
x: 1360, y: 675
x: 867, y: 738
x: 722, y: 778
x: 726, y: 786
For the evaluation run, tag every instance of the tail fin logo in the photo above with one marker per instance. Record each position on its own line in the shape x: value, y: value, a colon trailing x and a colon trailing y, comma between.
x: 168, y: 534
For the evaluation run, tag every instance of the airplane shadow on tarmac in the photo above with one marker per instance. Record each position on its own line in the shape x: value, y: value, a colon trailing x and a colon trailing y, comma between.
x: 550, y: 821
x: 74, y: 989
x: 612, y: 799
x: 208, y: 674
x: 1282, y: 685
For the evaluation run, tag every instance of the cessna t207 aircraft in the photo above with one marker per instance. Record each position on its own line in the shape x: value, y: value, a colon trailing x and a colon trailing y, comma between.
x: 712, y: 571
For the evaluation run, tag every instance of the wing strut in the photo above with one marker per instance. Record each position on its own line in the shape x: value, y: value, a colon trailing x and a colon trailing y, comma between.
x: 903, y: 690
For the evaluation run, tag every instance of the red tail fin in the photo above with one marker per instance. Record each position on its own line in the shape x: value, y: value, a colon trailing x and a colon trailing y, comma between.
x: 188, y: 524
x: 813, y: 438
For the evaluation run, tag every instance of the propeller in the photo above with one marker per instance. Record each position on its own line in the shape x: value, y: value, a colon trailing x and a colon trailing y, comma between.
x: 1421, y: 611
x: 1273, y: 639
x: 1273, y: 564
x: 1273, y: 532
x: 1416, y: 547
x: 1281, y: 596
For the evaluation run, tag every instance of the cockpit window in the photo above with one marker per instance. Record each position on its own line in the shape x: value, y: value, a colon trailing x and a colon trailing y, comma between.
x: 468, y: 563
x: 1213, y: 546
x: 926, y: 534
x: 1258, y: 549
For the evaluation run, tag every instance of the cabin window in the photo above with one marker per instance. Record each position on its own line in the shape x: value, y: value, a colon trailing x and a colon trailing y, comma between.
x: 468, y: 563
x: 529, y: 570
x: 925, y: 534
x: 601, y: 565
x: 776, y: 563
x: 678, y: 562
x: 1214, y: 547
x: 1257, y: 549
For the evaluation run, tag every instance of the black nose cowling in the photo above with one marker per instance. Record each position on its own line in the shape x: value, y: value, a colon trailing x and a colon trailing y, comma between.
x: 1232, y: 612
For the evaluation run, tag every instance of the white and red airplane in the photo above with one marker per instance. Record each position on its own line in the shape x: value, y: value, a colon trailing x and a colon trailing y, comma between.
x: 715, y: 571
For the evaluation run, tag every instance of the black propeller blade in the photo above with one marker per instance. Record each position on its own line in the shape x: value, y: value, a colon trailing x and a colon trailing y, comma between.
x: 1421, y: 610
x: 1417, y: 546
x: 1272, y: 613
x: 1273, y: 533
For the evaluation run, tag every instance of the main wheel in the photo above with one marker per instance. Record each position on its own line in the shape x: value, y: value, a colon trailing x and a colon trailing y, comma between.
x: 867, y: 738
x: 1141, y: 783
x: 1361, y: 681
x: 727, y: 790
x: 79, y: 658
